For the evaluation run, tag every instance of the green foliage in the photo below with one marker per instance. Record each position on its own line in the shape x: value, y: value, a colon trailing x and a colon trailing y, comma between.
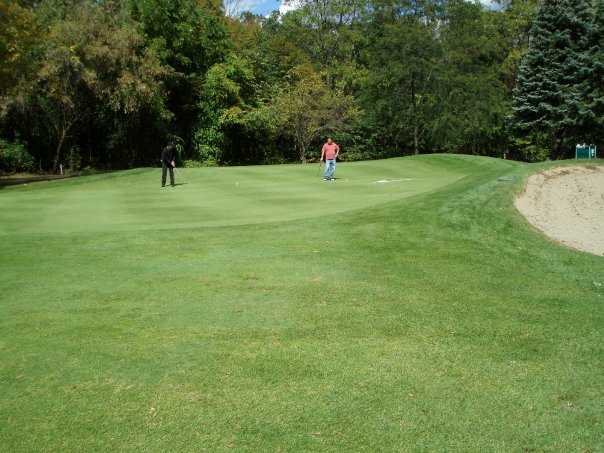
x: 19, y: 34
x: 191, y: 36
x: 592, y: 113
x: 549, y: 98
x: 436, y: 78
x: 473, y: 98
x: 191, y: 163
x: 74, y: 159
x: 512, y: 30
x: 250, y: 135
x: 14, y: 157
x: 402, y: 81
x: 117, y: 79
x: 534, y: 148
x: 308, y: 109
x: 92, y: 65
x: 235, y: 125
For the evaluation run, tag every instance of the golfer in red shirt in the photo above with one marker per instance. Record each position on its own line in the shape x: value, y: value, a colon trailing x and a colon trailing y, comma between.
x: 330, y: 153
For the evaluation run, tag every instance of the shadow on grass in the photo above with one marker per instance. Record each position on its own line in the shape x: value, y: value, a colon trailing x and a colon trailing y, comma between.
x: 5, y: 182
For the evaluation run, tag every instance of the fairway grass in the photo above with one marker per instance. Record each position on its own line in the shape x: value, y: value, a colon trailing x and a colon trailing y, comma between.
x: 261, y: 309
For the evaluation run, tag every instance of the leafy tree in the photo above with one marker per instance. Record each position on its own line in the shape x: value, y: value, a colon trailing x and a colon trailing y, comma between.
x: 327, y: 35
x: 191, y: 36
x: 14, y: 157
x: 232, y: 8
x: 249, y: 135
x: 19, y: 34
x: 91, y: 64
x: 402, y: 78
x: 228, y: 86
x: 285, y: 41
x: 513, y: 23
x: 472, y: 97
x: 104, y: 83
x: 308, y: 108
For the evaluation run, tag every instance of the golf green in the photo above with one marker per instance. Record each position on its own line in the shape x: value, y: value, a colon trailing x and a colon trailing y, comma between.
x: 406, y: 306
x: 132, y: 200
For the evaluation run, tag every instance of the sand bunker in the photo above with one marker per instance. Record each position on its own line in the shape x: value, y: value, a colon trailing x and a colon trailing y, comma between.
x: 567, y: 204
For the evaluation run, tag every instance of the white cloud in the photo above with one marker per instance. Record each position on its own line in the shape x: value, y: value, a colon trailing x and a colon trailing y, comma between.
x: 492, y: 4
x: 289, y: 5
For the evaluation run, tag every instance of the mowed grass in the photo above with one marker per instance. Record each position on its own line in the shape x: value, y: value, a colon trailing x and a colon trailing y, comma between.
x: 260, y: 309
x: 133, y: 200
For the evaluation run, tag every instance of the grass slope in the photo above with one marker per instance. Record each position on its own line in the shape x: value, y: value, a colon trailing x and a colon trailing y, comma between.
x: 421, y: 315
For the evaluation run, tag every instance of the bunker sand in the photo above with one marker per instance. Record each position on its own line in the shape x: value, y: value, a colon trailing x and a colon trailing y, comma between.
x: 567, y: 204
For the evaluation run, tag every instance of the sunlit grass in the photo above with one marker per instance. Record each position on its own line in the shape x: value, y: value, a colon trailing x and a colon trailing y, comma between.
x: 295, y: 315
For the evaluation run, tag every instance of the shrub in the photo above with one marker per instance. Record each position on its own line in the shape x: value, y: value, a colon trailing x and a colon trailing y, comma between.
x: 87, y: 171
x: 530, y: 149
x: 191, y: 163
x: 14, y: 157
x: 74, y: 159
x: 356, y: 154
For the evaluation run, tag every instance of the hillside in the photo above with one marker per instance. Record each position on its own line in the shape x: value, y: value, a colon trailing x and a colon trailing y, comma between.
x: 261, y: 309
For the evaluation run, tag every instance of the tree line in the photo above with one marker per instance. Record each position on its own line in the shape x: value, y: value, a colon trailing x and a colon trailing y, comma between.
x: 106, y: 83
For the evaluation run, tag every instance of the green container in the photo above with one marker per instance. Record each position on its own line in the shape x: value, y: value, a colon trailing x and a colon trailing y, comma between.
x: 585, y: 152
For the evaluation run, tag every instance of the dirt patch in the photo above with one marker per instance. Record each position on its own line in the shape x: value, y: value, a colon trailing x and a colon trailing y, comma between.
x: 567, y: 204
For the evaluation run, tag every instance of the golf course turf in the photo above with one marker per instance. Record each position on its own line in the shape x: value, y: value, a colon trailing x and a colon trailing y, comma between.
x: 261, y: 309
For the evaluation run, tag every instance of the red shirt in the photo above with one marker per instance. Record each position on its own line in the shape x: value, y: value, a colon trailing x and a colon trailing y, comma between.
x: 330, y: 150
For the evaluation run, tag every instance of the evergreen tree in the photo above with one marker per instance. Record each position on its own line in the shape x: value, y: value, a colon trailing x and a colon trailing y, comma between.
x: 548, y: 99
x: 593, y: 113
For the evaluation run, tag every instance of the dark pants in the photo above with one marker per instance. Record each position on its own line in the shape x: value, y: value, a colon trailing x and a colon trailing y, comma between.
x: 164, y: 168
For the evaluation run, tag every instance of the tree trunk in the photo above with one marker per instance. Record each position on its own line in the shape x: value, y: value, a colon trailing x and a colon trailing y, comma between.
x: 59, y: 148
x: 414, y: 113
x: 416, y: 138
x: 302, y: 149
x: 558, y: 150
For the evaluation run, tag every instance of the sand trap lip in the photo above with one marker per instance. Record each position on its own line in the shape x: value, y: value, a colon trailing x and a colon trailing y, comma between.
x: 567, y: 204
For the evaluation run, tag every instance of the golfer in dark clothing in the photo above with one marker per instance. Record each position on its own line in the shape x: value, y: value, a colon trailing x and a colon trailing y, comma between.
x: 168, y: 157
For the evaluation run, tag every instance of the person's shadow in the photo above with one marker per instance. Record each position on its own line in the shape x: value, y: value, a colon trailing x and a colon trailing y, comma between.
x: 180, y: 184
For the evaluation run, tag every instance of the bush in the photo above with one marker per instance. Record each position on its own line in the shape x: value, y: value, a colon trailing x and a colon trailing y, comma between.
x: 191, y: 163
x: 88, y: 170
x: 356, y: 154
x: 14, y: 157
x: 530, y: 149
x: 74, y: 159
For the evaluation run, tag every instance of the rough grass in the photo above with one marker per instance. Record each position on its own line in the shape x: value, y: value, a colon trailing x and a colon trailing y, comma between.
x: 293, y: 315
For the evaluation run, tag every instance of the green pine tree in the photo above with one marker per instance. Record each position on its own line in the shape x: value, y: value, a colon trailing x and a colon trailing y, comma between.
x: 593, y: 111
x: 549, y: 99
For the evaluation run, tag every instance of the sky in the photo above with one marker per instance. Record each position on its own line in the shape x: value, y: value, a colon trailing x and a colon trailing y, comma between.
x: 265, y: 7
